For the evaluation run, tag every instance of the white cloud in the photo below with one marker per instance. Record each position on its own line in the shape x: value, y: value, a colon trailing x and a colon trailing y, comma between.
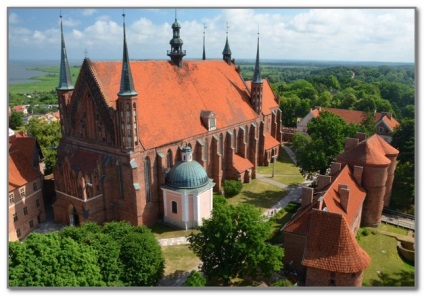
x: 13, y: 19
x: 88, y: 12
x: 70, y: 22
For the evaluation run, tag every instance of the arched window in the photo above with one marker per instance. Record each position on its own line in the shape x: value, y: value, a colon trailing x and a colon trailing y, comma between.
x: 206, y: 149
x: 221, y: 144
x: 234, y: 142
x: 169, y: 159
x: 147, y: 177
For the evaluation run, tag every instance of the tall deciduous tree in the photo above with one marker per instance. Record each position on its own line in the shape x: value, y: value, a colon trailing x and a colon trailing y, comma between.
x: 328, y: 133
x: 232, y: 244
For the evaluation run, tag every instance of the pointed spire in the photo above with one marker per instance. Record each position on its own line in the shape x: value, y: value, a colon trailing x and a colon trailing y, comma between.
x: 257, y: 73
x: 65, y: 81
x: 127, y: 85
x: 227, y: 51
x: 204, y: 50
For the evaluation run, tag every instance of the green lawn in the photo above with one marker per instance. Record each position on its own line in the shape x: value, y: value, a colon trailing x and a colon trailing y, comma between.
x: 387, y: 268
x: 43, y: 83
x: 163, y: 231
x: 283, y: 166
x: 179, y: 259
x: 261, y: 195
x: 289, y: 179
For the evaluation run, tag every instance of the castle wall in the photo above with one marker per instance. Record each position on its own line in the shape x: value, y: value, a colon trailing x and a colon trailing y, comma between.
x: 319, y: 277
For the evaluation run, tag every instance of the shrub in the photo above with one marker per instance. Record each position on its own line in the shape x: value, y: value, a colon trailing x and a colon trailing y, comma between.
x: 219, y: 199
x: 282, y: 283
x: 195, y: 279
x: 232, y: 188
x: 292, y: 207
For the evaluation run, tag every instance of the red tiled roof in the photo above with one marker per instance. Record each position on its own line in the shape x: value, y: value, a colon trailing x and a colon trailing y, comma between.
x: 372, y: 151
x: 268, y: 102
x: 241, y: 164
x: 26, y: 145
x: 19, y: 108
x: 332, y: 246
x: 170, y: 99
x: 299, y: 223
x: 20, y: 170
x: 84, y: 161
x: 356, y: 117
x: 392, y: 123
x: 270, y: 142
x: 356, y: 195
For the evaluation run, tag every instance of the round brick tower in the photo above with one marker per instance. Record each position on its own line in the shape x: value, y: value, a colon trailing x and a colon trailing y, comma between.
x: 378, y: 160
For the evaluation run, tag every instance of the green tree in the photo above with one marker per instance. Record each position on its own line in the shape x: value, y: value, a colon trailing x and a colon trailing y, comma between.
x: 232, y: 244
x: 142, y: 259
x: 88, y: 255
x: 195, y: 279
x: 48, y: 136
x: 16, y: 120
x: 328, y: 133
x: 403, y: 139
x: 368, y: 124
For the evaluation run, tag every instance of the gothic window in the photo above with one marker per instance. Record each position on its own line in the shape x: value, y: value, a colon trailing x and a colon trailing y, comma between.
x: 221, y: 144
x: 22, y: 191
x: 234, y: 140
x: 206, y: 149
x: 174, y: 207
x: 34, y: 186
x: 147, y: 177
x: 25, y: 210
x: 246, y: 135
x: 121, y: 187
x: 31, y: 224
x: 15, y: 217
x: 169, y: 159
x: 18, y: 233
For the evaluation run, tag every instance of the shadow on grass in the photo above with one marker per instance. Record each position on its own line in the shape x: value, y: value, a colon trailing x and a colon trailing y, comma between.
x: 265, y: 199
x: 398, y: 279
x: 172, y: 278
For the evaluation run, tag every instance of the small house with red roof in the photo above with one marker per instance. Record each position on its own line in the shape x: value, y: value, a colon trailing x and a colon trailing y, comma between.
x: 385, y: 123
x: 26, y: 203
x: 21, y: 109
x: 125, y: 124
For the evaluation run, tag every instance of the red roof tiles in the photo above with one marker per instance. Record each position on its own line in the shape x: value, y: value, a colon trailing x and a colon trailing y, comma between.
x: 241, y: 164
x: 332, y: 196
x: 356, y: 117
x: 170, y: 99
x: 332, y: 246
x: 372, y: 151
x: 26, y: 145
x: 20, y: 170
x: 270, y: 142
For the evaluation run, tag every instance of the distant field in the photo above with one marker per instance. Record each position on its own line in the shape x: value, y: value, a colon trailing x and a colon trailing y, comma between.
x: 42, y: 83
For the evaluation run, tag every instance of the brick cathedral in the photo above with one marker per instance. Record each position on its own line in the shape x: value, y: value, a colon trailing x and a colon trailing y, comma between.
x: 126, y: 123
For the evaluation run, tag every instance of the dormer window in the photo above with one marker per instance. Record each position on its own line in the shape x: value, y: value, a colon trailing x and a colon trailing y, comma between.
x: 208, y: 119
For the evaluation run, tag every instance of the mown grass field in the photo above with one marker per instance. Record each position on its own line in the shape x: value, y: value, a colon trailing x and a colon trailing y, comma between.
x: 387, y: 268
x: 179, y: 259
x: 42, y: 83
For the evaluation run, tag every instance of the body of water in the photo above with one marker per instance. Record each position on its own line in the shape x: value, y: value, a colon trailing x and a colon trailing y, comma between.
x: 18, y: 70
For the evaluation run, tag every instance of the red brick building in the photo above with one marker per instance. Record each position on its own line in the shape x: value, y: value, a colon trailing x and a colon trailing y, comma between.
x: 319, y: 240
x: 26, y: 204
x: 124, y: 125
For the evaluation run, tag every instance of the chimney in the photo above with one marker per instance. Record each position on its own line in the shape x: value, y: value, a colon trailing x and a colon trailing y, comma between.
x: 357, y: 174
x: 350, y: 143
x: 335, y: 168
x: 307, y: 196
x: 344, y: 196
x: 361, y: 136
x: 323, y: 181
x: 320, y: 203
x: 388, y: 114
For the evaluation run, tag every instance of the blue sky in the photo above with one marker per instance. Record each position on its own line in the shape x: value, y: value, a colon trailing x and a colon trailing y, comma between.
x: 338, y: 34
